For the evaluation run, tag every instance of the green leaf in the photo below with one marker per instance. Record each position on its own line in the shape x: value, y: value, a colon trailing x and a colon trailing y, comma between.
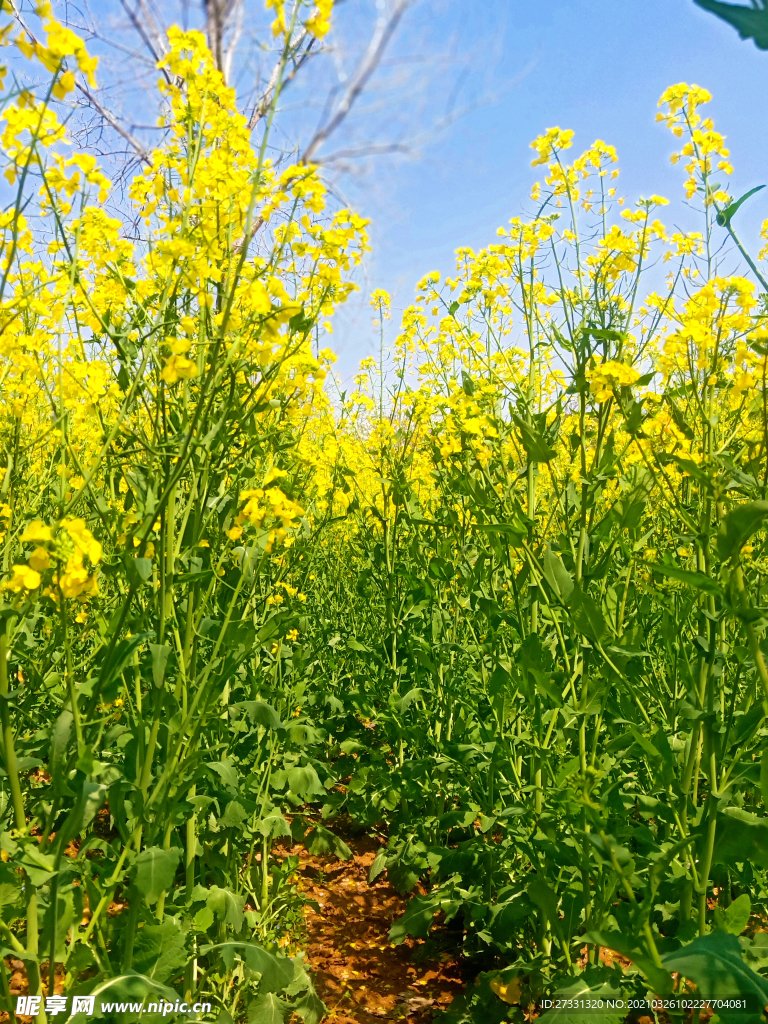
x: 736, y: 917
x: 748, y: 22
x: 439, y: 569
x: 160, y: 654
x: 680, y: 421
x: 417, y: 919
x: 128, y: 986
x: 724, y: 217
x: 65, y: 916
x: 595, y: 983
x: 414, y: 694
x: 155, y: 870
x: 544, y: 897
x: 310, y: 1007
x: 738, y: 526
x: 139, y: 570
x: 743, y: 837
x: 226, y: 906
x: 276, y: 972
x: 698, y: 580
x: 60, y: 735
x: 112, y: 669
x: 321, y: 840
x: 276, y: 626
x: 659, y: 978
x: 304, y: 782
x: 268, y: 1009
x: 159, y: 950
x: 764, y: 776
x: 234, y: 815
x: 715, y: 964
x: 586, y: 616
x: 92, y: 796
x: 261, y: 713
x: 226, y: 772
x: 273, y: 825
x: 557, y: 575
x: 535, y: 444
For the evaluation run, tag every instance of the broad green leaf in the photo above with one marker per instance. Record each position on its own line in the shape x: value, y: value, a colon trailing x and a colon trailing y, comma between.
x: 749, y: 22
x: 40, y: 867
x: 159, y: 950
x: 276, y: 626
x: 534, y: 442
x: 268, y: 1009
x: 405, y: 702
x: 260, y: 713
x: 417, y: 919
x: 139, y: 570
x: 226, y: 906
x: 65, y: 917
x: 127, y: 986
x: 734, y: 919
x: 305, y: 783
x: 659, y: 978
x: 738, y: 526
x: 226, y: 772
x: 276, y: 972
x: 310, y: 1007
x: 741, y: 836
x: 586, y: 616
x: 160, y: 654
x: 698, y: 580
x: 440, y: 569
x: 321, y: 840
x: 60, y: 735
x: 112, y: 669
x: 598, y: 983
x: 155, y: 870
x: 557, y: 575
x: 544, y: 897
x: 725, y: 215
x: 234, y: 815
x: 716, y: 965
x: 90, y: 800
x: 273, y: 825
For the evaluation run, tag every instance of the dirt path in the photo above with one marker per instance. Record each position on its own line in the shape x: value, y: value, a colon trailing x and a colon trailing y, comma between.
x: 359, y: 974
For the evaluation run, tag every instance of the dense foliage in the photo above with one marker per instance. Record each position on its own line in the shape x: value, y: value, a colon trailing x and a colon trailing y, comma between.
x: 504, y: 601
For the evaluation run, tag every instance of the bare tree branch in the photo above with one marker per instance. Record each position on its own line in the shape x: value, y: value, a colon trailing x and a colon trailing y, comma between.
x: 114, y: 123
x: 155, y: 46
x: 106, y: 114
x: 385, y: 29
x: 374, y: 149
x: 235, y: 16
x: 265, y: 100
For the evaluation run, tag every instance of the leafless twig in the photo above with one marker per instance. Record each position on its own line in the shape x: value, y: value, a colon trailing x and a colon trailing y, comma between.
x: 385, y: 29
x: 156, y: 45
x: 298, y: 59
x: 114, y: 123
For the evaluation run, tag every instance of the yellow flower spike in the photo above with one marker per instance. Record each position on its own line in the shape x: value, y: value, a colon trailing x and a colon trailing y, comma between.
x: 23, y: 579
x: 178, y: 367
x: 39, y: 560
x: 319, y: 23
x: 36, y: 532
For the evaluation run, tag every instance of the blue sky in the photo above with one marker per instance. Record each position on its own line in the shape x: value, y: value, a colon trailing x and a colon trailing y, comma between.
x: 596, y: 66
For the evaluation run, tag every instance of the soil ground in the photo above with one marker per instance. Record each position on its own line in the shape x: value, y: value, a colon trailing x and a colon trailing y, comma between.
x: 360, y: 976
